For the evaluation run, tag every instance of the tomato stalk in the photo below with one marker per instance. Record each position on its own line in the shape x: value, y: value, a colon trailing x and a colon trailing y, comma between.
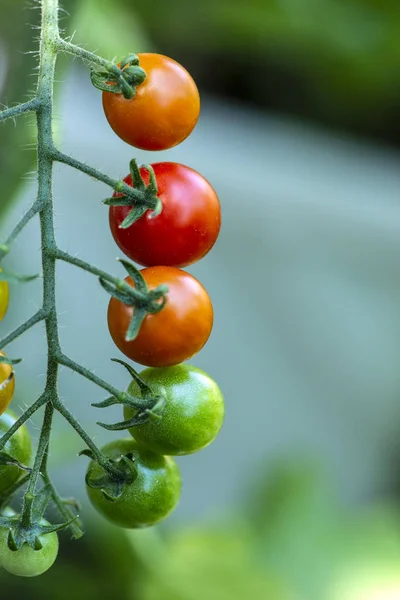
x: 34, y: 501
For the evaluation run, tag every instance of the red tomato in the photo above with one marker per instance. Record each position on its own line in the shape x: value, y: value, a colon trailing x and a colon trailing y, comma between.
x: 174, y: 334
x: 164, y: 109
x: 186, y: 229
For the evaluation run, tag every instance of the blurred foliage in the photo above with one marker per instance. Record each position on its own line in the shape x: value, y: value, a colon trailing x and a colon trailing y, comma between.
x: 334, y: 60
x: 19, y: 45
x: 337, y: 61
x: 292, y: 541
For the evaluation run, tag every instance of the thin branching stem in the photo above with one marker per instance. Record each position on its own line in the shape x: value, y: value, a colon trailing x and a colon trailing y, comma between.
x: 20, y: 109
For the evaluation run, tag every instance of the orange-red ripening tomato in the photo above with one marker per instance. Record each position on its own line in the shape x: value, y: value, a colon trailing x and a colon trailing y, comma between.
x: 164, y: 110
x: 187, y: 227
x: 174, y: 334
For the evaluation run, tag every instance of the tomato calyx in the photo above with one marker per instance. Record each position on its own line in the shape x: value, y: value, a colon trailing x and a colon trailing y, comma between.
x: 28, y: 527
x: 113, y: 482
x: 123, y: 78
x: 143, y: 300
x: 9, y: 276
x: 141, y: 197
x: 149, y: 407
x: 10, y: 361
x: 7, y: 460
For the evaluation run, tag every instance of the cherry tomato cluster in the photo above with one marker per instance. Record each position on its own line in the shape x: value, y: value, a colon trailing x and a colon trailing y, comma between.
x: 161, y: 114
x: 137, y: 483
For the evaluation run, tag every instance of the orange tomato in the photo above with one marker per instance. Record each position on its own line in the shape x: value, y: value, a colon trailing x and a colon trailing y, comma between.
x: 174, y: 334
x: 164, y: 110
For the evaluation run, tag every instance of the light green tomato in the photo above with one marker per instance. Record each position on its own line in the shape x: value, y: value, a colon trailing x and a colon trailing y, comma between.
x: 27, y: 562
x: 193, y: 412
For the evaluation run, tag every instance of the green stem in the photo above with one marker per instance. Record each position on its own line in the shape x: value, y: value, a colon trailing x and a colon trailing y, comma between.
x: 119, y: 283
x: 67, y: 514
x: 23, y: 418
x: 118, y: 185
x: 99, y: 456
x: 26, y: 513
x: 67, y: 362
x: 34, y: 209
x: 39, y: 316
x: 70, y: 48
x: 20, y: 109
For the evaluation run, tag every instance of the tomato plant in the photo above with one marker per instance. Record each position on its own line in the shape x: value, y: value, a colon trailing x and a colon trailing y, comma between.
x: 164, y: 109
x: 164, y: 337
x: 187, y: 227
x: 150, y: 498
x: 19, y: 447
x: 164, y: 216
x: 27, y: 562
x: 7, y: 384
x: 192, y: 416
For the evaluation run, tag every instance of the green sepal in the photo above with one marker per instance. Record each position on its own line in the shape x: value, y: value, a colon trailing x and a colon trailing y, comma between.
x: 111, y: 401
x: 6, y: 459
x: 134, y: 215
x: 9, y: 361
x: 124, y: 81
x: 140, y: 197
x: 14, y: 277
x: 123, y: 297
x: 111, y: 487
x: 135, y: 275
x: 118, y: 201
x: 87, y: 452
x: 124, y: 424
x: 19, y: 534
x: 124, y: 399
x: 139, y: 315
x: 142, y: 416
x: 145, y: 389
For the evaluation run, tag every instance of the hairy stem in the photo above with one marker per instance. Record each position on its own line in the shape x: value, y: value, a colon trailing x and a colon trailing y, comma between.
x: 39, y: 316
x: 26, y: 518
x: 74, y: 366
x: 16, y: 111
x: 23, y: 418
x: 99, y: 456
x: 70, y: 48
x: 117, y: 184
x: 119, y: 283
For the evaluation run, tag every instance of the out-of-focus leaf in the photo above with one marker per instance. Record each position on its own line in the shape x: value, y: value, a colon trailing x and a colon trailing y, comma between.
x: 18, y: 38
x: 295, y: 515
x: 109, y: 28
x: 212, y: 563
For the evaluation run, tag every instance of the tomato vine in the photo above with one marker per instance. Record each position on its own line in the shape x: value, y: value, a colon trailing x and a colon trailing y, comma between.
x: 141, y: 301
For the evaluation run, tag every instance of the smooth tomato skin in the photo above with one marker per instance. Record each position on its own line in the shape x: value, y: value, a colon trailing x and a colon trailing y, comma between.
x: 193, y: 414
x: 150, y: 498
x: 164, y: 110
x: 19, y: 446
x: 7, y: 385
x: 27, y: 562
x: 177, y: 332
x: 187, y: 227
x: 4, y: 297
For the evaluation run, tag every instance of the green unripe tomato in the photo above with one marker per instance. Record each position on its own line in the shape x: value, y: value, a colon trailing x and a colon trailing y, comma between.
x: 27, y: 562
x: 19, y: 446
x: 193, y: 413
x: 150, y: 498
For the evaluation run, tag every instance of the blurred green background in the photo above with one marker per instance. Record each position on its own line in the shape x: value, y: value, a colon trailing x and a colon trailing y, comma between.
x: 299, y: 134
